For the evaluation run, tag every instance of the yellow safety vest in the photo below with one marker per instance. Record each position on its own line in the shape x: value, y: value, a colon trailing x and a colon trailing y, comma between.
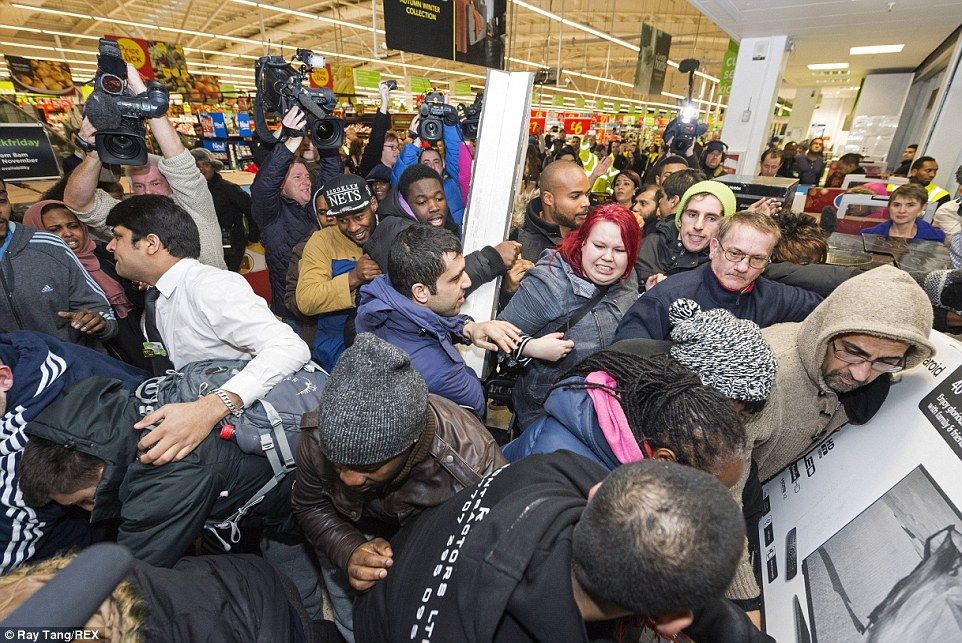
x: 935, y: 192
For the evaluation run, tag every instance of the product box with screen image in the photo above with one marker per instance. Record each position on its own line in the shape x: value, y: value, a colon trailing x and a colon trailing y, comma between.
x: 862, y: 539
x: 749, y: 189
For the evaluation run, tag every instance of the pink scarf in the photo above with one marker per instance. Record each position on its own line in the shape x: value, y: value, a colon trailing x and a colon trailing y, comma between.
x: 612, y: 419
x: 113, y: 290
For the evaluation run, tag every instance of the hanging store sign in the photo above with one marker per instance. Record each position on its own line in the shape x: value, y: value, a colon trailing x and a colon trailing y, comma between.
x: 418, y: 85
x: 577, y: 126
x: 538, y: 122
x: 652, y: 60
x: 367, y: 79
x: 727, y: 73
x: 322, y: 77
x: 26, y: 153
x: 465, y: 31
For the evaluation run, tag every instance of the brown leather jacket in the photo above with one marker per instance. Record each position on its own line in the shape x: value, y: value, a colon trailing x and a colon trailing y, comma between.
x: 461, y: 454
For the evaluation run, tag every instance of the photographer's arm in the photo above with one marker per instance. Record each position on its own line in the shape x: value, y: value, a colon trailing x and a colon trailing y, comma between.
x: 81, y: 194
x: 375, y: 142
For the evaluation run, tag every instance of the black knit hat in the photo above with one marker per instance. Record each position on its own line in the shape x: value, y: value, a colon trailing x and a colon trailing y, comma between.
x: 728, y: 354
x: 374, y: 404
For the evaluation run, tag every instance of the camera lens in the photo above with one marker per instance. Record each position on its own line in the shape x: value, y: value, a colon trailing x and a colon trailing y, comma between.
x: 327, y: 133
x: 431, y: 129
x: 122, y: 146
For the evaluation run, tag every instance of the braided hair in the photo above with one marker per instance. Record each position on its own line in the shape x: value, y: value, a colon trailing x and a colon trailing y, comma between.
x: 667, y: 405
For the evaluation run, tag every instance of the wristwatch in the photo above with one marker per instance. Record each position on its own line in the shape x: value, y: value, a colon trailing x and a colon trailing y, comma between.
x: 84, y: 145
x: 229, y: 403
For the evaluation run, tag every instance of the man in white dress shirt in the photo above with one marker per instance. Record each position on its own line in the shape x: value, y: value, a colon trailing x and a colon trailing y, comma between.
x: 202, y: 313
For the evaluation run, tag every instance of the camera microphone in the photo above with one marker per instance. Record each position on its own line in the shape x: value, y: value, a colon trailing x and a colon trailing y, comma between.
x: 102, y: 112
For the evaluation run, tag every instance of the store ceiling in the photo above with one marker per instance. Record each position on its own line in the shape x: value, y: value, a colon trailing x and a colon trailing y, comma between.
x: 227, y: 29
x: 824, y: 30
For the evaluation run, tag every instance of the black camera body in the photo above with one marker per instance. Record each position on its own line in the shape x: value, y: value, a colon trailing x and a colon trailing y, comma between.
x: 117, y: 114
x: 471, y: 117
x: 280, y: 87
x: 435, y: 114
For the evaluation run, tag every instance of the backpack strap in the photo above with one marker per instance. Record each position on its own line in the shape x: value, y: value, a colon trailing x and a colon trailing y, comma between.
x: 280, y: 455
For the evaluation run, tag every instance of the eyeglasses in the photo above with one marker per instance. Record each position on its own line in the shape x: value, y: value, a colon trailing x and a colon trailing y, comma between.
x: 881, y: 365
x: 391, y: 147
x: 755, y: 261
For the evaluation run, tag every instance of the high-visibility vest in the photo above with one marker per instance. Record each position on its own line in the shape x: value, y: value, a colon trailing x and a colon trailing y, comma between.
x: 935, y: 192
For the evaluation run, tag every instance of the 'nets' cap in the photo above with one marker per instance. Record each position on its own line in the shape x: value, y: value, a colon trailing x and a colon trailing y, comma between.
x: 346, y: 193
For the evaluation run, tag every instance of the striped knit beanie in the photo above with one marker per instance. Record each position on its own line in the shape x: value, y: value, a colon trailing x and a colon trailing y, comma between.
x: 728, y: 354
x: 374, y: 404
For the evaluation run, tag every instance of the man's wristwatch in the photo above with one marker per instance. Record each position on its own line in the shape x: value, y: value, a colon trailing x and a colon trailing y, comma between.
x: 84, y: 145
x: 232, y: 408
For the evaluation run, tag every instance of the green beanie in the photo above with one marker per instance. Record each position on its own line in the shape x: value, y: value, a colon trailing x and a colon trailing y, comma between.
x: 719, y: 190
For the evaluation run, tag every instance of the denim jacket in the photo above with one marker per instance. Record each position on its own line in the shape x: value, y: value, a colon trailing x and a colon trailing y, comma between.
x: 549, y: 294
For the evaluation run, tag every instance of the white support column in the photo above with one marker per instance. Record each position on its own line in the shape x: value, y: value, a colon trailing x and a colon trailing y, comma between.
x: 502, y: 140
x: 751, y: 104
x: 943, y: 135
x: 806, y: 99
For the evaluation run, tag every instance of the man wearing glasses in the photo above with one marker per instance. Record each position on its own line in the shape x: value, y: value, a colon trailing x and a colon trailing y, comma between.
x: 731, y: 280
x: 835, y: 368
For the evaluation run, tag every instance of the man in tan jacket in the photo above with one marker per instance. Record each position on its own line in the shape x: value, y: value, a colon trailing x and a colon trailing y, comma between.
x: 835, y: 368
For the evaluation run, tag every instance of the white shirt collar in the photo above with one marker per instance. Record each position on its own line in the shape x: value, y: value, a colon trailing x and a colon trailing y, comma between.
x: 174, y: 276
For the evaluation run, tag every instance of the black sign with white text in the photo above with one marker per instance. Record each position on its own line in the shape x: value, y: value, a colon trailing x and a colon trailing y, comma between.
x: 26, y: 153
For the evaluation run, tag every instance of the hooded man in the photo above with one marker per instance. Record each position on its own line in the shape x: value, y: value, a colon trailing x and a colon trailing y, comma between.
x: 380, y: 451
x: 835, y: 368
x: 83, y: 452
x: 334, y: 266
x: 550, y: 549
x: 34, y: 370
x: 739, y: 252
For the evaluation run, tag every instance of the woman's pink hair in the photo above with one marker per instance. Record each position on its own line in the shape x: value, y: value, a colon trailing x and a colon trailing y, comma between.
x: 622, y: 217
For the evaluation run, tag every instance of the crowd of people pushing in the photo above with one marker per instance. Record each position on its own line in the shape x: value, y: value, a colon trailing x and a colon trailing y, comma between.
x: 668, y: 354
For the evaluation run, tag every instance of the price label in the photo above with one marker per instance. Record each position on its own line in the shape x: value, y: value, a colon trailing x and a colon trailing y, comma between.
x: 577, y: 126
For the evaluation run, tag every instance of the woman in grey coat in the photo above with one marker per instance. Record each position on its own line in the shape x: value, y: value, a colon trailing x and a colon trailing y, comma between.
x: 592, y: 266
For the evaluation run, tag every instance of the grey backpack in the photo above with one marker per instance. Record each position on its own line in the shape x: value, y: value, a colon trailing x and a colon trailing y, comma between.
x: 270, y: 427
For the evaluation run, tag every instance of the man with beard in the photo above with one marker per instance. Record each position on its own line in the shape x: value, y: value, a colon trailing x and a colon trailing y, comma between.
x: 923, y: 173
x: 835, y: 368
x: 334, y: 265
x: 378, y: 452
x: 562, y: 207
x: 731, y: 280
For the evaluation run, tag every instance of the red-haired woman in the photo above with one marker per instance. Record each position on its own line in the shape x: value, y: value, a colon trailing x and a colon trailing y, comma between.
x: 579, y: 291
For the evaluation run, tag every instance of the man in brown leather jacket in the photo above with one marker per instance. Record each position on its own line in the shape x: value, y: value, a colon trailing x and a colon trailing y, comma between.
x: 380, y: 451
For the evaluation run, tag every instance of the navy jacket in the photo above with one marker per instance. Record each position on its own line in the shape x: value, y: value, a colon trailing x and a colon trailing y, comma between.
x: 569, y: 424
x: 425, y: 336
x: 283, y: 223
x: 767, y: 303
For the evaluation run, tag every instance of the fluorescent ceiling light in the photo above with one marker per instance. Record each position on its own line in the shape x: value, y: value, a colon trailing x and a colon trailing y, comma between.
x: 828, y: 66
x: 876, y: 49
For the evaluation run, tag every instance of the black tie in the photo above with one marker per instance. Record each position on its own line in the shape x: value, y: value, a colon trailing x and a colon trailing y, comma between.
x: 160, y: 363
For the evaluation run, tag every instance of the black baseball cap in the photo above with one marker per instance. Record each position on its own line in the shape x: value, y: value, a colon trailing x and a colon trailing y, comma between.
x: 346, y: 193
x: 381, y: 173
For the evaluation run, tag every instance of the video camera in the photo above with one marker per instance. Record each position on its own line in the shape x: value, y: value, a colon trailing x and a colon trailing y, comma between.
x: 119, y: 115
x: 471, y: 117
x: 280, y: 87
x: 435, y: 114
x: 681, y: 133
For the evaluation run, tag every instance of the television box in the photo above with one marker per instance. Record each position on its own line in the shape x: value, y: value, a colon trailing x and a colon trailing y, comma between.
x: 749, y: 189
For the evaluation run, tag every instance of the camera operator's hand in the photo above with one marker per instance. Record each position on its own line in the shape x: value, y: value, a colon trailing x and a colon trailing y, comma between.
x: 385, y: 92
x: 134, y: 81
x: 294, y: 121
x: 86, y: 134
x: 413, y: 128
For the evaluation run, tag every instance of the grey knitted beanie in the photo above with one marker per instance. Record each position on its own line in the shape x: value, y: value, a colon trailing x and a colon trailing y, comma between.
x: 374, y: 404
x: 728, y: 354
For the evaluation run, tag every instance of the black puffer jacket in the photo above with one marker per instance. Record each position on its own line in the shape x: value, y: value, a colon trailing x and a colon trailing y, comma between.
x: 162, y: 509
x: 536, y: 234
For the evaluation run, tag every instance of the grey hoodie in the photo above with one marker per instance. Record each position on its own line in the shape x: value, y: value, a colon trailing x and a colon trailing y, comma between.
x: 801, y: 409
x: 39, y: 277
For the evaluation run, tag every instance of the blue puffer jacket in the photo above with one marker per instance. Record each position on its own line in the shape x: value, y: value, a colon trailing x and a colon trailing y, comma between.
x: 550, y: 294
x: 425, y: 336
x: 569, y: 424
x: 452, y: 150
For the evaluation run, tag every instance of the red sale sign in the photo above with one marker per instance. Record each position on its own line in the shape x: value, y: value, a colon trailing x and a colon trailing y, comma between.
x: 537, y: 122
x: 577, y: 126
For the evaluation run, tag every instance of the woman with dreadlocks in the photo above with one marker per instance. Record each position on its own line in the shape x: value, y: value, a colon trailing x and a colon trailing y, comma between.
x: 616, y: 408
